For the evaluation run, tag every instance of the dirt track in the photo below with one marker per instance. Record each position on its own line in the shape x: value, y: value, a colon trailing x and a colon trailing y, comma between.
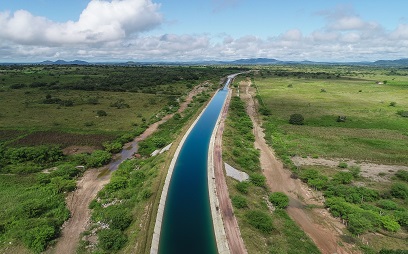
x: 78, y: 202
x: 89, y: 186
x: 235, y: 242
x: 318, y: 224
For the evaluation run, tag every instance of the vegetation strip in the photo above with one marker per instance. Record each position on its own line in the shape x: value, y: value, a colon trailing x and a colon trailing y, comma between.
x: 370, y: 130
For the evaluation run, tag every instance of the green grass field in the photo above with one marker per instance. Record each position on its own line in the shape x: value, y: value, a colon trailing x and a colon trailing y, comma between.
x: 372, y: 131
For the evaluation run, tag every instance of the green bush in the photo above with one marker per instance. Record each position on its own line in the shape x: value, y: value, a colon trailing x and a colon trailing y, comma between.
x: 352, y: 194
x: 257, y: 179
x: 402, y: 113
x: 403, y: 175
x: 279, y: 200
x: 111, y: 239
x: 343, y: 177
x: 242, y: 187
x: 37, y: 238
x: 399, y: 190
x: 313, y: 178
x: 98, y: 158
x: 239, y: 201
x: 355, y: 171
x: 387, y: 204
x: 296, y: 119
x: 402, y: 217
x: 343, y: 165
x: 101, y: 113
x: 260, y: 220
x: 117, y: 217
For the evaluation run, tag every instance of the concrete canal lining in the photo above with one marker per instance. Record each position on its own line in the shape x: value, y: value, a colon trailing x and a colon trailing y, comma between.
x: 218, y: 228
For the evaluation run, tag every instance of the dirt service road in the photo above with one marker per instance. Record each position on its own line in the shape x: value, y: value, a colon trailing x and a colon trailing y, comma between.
x: 326, y: 236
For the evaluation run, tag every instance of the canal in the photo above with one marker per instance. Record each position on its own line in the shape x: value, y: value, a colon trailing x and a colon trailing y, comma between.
x: 187, y: 225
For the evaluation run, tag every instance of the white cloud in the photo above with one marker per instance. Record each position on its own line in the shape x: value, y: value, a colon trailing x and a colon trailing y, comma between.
x: 107, y: 31
x: 401, y: 32
x: 101, y: 21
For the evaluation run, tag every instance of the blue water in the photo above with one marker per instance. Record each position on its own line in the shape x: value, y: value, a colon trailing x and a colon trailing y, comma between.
x: 187, y: 222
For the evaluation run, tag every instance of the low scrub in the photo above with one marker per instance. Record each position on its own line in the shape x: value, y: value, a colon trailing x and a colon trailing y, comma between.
x: 279, y: 200
x: 260, y: 220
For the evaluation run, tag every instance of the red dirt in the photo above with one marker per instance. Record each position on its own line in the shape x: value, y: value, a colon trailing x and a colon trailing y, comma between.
x: 235, y: 242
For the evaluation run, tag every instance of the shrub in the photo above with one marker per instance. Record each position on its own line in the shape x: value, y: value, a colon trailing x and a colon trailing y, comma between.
x: 358, y: 224
x: 352, y: 194
x: 98, y: 158
x: 257, y: 179
x: 260, y: 220
x: 279, y: 200
x: 101, y: 113
x: 403, y: 175
x: 113, y: 147
x: 37, y: 238
x: 402, y: 113
x: 387, y: 204
x: 399, y: 190
x: 239, y: 201
x: 355, y: 171
x: 313, y: 178
x: 341, y: 119
x: 296, y: 119
x: 242, y: 187
x: 117, y: 217
x: 343, y: 177
x: 393, y: 104
x: 342, y: 165
x: 111, y: 239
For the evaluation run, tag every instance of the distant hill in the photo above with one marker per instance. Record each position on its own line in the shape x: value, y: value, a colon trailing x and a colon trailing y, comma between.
x: 246, y: 61
x: 399, y: 62
x: 256, y: 61
x: 63, y: 62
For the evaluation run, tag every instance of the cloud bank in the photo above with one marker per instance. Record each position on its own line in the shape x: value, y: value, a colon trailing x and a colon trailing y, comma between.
x: 100, y: 22
x: 114, y: 31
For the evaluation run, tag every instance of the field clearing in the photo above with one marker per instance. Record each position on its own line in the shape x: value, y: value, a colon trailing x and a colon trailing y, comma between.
x: 373, y: 130
x: 23, y: 109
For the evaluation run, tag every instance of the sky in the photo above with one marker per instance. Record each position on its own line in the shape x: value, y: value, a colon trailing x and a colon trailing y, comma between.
x: 191, y: 30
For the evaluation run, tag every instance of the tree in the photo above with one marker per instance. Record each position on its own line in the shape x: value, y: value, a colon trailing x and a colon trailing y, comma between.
x: 296, y: 119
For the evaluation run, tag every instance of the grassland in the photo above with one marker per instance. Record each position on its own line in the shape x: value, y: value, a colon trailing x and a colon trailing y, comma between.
x: 47, y: 108
x: 374, y: 130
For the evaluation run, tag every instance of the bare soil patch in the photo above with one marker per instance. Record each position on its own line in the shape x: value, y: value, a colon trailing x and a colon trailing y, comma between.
x: 321, y: 227
x: 70, y: 150
x: 78, y: 201
x: 375, y: 172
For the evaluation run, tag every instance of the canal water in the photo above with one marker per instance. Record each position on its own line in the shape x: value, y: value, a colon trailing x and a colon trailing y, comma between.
x: 187, y: 225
